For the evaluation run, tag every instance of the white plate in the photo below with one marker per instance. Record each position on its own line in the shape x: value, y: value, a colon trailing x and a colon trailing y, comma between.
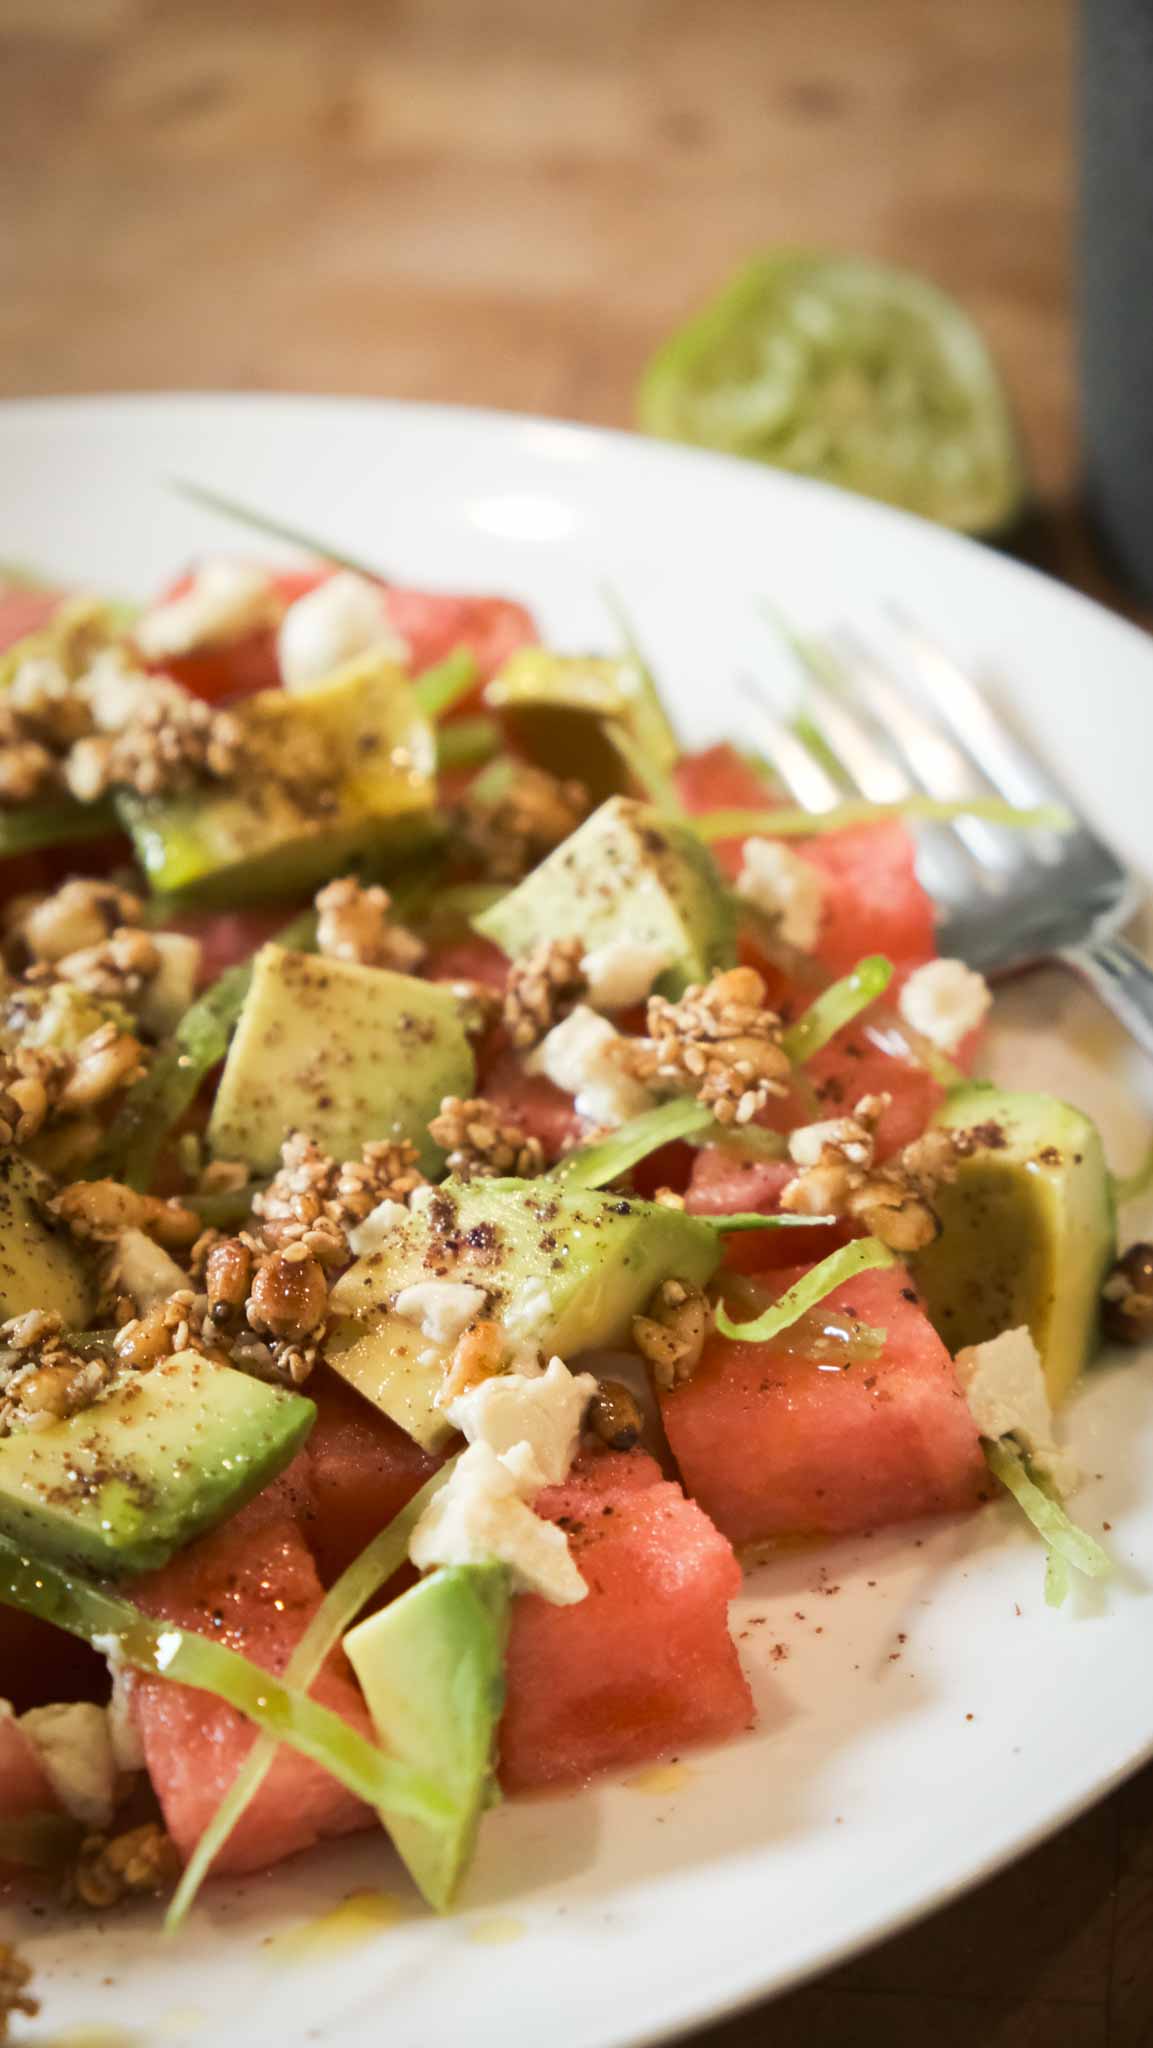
x: 932, y: 1718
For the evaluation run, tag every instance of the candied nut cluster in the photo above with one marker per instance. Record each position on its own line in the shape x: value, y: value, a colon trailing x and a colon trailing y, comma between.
x: 38, y: 1085
x: 43, y: 929
x: 15, y: 1977
x: 615, y: 1416
x: 353, y: 923
x: 142, y: 1862
x: 172, y: 742
x: 671, y: 1334
x: 481, y: 1142
x: 96, y: 1211
x: 512, y: 829
x: 719, y: 1043
x: 42, y: 1379
x: 479, y: 1354
x: 315, y: 1201
x: 839, y: 1177
x: 543, y: 986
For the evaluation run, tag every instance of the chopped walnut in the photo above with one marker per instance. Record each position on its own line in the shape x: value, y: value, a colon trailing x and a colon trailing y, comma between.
x: 719, y: 1043
x: 78, y: 915
x: 172, y: 742
x: 15, y: 1977
x: 288, y: 1298
x: 27, y: 770
x: 513, y: 829
x: 481, y: 1142
x: 96, y: 1211
x: 839, y: 1177
x: 543, y: 986
x: 105, y: 1062
x: 42, y: 1379
x: 143, y: 1861
x: 671, y: 1335
x: 353, y: 923
x: 118, y: 969
x: 478, y: 1355
x: 31, y: 1082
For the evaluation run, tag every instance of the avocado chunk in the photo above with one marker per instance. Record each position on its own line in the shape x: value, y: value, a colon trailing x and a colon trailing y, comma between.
x: 40, y: 1266
x: 563, y: 1271
x: 396, y: 1369
x: 120, y: 1486
x: 431, y: 1667
x: 628, y: 875
x: 332, y: 775
x: 1028, y: 1230
x: 344, y: 1052
x: 562, y: 708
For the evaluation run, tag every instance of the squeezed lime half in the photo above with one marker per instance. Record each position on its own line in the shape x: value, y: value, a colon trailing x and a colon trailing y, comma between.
x: 849, y: 370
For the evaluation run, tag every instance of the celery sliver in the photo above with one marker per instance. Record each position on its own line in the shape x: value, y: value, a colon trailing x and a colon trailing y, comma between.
x: 837, y: 1007
x: 796, y: 824
x: 189, y: 1659
x: 841, y: 1265
x: 1063, y: 1539
x: 446, y: 683
x: 352, y: 1591
x: 755, y: 1219
x: 593, y: 1166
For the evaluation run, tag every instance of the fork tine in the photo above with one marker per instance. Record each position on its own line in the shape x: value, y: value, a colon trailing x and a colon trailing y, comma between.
x: 965, y: 709
x: 805, y: 778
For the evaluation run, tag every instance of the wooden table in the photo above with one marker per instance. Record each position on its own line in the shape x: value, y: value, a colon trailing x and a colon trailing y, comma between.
x: 507, y: 202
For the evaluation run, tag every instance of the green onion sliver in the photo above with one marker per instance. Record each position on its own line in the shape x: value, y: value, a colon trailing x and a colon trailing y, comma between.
x: 796, y: 824
x: 753, y: 1219
x: 645, y: 771
x: 286, y: 1713
x: 27, y: 827
x: 1061, y: 1536
x: 352, y: 1591
x: 592, y: 1166
x: 837, y: 1007
x: 277, y: 529
x: 444, y: 685
x: 467, y: 742
x: 841, y: 1265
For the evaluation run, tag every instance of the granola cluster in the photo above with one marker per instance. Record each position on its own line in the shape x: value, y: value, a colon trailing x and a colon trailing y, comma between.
x: 719, y: 1043
x: 315, y: 1201
x: 142, y: 1862
x: 509, y: 830
x: 353, y: 923
x: 671, y: 1334
x: 482, y: 1142
x: 42, y: 1379
x: 839, y: 1176
x: 543, y: 986
x: 41, y: 1085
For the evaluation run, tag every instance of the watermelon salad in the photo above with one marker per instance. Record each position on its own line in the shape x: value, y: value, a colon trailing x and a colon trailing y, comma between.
x: 474, y: 1178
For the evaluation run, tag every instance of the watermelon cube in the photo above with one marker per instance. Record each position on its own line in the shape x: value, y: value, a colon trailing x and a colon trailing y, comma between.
x: 642, y: 1667
x: 253, y: 1586
x: 363, y: 1469
x: 776, y: 1445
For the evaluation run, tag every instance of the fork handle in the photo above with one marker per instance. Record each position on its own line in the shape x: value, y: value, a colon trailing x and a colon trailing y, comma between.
x: 1117, y: 973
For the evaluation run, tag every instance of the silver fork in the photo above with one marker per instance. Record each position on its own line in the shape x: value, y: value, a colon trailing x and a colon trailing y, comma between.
x: 1007, y: 900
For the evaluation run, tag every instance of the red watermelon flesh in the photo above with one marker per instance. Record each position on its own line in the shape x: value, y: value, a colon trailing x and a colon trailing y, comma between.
x: 24, y: 611
x: 778, y: 1446
x: 642, y: 1667
x: 468, y: 959
x: 25, y: 1787
x: 253, y: 1586
x: 873, y: 900
x: 541, y: 1109
x: 723, y: 1184
x: 363, y: 1469
x: 435, y: 624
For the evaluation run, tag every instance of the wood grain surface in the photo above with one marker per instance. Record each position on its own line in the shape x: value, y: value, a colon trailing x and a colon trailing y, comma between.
x: 507, y: 202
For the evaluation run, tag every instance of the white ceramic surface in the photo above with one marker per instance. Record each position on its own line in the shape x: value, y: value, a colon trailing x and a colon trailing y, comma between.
x: 931, y: 1718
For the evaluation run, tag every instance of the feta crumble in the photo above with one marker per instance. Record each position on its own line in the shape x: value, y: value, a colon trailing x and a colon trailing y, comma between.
x: 482, y: 1517
x: 539, y: 1414
x: 786, y: 887
x: 224, y: 601
x: 944, y: 1000
x: 1004, y: 1385
x: 622, y: 972
x: 527, y: 1314
x: 845, y: 1134
x: 342, y: 618
x: 443, y: 1309
x: 74, y: 1747
x: 373, y: 1233
x: 582, y: 1056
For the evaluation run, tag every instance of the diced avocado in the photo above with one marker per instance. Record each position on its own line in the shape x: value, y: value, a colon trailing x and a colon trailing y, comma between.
x: 164, y: 1454
x: 344, y: 1052
x: 431, y: 1667
x: 396, y: 1369
x: 561, y: 709
x: 40, y: 1266
x: 331, y: 775
x: 565, y: 1271
x: 1028, y: 1230
x: 626, y: 874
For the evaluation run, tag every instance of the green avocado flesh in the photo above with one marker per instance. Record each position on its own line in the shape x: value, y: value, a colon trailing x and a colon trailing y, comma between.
x: 39, y: 1267
x: 1028, y: 1231
x: 122, y: 1485
x: 331, y: 775
x: 389, y: 1362
x: 431, y: 1667
x: 626, y: 874
x: 561, y: 709
x: 567, y: 1272
x: 344, y: 1052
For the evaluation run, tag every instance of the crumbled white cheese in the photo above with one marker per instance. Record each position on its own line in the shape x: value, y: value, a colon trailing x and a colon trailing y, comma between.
x: 114, y: 691
x: 377, y: 1227
x: 582, y: 1055
x: 843, y: 1133
x: 944, y: 1000
x: 622, y: 972
x: 74, y: 1747
x: 526, y: 1316
x: 540, y: 1414
x: 786, y: 887
x: 442, y: 1308
x: 1004, y: 1385
x: 169, y: 992
x: 342, y: 618
x: 144, y: 1270
x: 480, y: 1516
x: 224, y: 601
